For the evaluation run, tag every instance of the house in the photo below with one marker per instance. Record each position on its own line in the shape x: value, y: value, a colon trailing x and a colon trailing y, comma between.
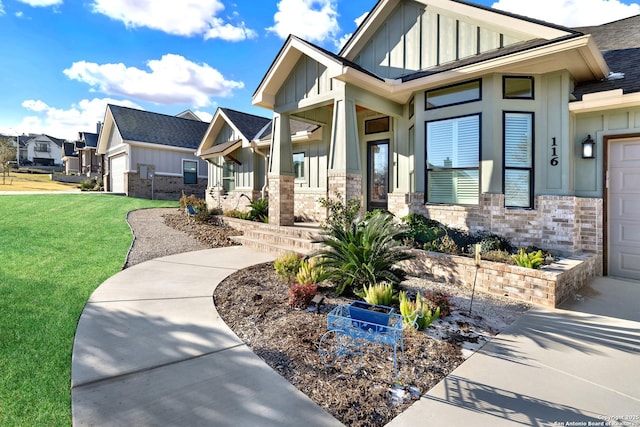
x: 90, y: 163
x: 474, y: 117
x: 151, y: 155
x: 70, y: 159
x: 41, y: 150
x: 236, y: 147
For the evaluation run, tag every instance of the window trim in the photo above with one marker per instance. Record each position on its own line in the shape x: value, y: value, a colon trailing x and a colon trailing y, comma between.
x: 504, y: 87
x: 426, y: 95
x: 184, y: 172
x: 478, y: 168
x: 304, y: 175
x: 533, y: 157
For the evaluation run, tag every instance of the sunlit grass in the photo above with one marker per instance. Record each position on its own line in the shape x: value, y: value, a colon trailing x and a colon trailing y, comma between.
x: 32, y: 182
x: 54, y: 251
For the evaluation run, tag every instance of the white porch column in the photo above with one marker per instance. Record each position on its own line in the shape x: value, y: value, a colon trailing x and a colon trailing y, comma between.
x: 281, y: 174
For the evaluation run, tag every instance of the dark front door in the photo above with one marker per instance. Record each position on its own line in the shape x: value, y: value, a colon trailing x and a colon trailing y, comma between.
x: 378, y: 174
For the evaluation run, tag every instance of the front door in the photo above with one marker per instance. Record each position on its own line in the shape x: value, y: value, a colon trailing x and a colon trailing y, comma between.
x: 623, y: 208
x: 378, y: 174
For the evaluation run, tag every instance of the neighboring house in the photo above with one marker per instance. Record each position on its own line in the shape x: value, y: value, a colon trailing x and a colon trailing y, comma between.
x: 236, y: 146
x: 474, y: 117
x: 70, y: 158
x: 90, y: 163
x: 41, y: 150
x: 151, y: 155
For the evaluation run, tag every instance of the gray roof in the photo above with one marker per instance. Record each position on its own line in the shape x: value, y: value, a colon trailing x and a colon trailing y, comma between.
x: 155, y: 128
x: 248, y: 124
x: 90, y: 139
x: 625, y: 61
x: 69, y: 150
x: 622, y: 34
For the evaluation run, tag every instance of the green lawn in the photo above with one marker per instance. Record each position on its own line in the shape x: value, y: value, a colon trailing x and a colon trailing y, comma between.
x: 54, y: 251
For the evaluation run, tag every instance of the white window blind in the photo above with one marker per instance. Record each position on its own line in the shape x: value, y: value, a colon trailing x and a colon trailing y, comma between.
x: 518, y: 159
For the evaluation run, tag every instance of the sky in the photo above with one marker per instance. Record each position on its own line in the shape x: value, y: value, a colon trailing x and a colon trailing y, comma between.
x: 63, y: 61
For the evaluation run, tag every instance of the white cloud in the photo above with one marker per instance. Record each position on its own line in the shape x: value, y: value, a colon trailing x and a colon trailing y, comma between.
x: 571, y: 13
x: 41, y: 3
x: 205, y: 116
x: 171, y: 80
x: 1, y: 9
x: 182, y: 18
x: 344, y: 39
x: 313, y: 20
x: 66, y: 124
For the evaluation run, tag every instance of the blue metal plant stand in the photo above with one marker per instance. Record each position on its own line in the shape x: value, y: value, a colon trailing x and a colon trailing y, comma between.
x: 343, y: 342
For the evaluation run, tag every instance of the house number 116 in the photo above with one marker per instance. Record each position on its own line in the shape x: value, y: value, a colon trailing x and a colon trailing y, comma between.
x: 554, y: 153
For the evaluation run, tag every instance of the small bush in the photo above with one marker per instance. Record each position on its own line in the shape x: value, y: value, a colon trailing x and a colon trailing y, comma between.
x: 300, y: 296
x: 196, y: 203
x: 309, y: 272
x: 498, y: 256
x: 340, y: 214
x: 417, y: 314
x: 235, y: 213
x: 445, y: 244
x: 439, y: 300
x: 92, y: 184
x: 528, y: 259
x: 421, y: 230
x: 492, y: 242
x: 287, y: 266
x: 259, y: 210
x: 379, y: 294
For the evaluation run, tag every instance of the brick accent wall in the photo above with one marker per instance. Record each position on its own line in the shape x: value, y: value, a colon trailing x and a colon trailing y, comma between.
x: 164, y: 187
x: 233, y: 200
x: 549, y: 286
x: 347, y: 184
x: 281, y: 200
x: 306, y: 205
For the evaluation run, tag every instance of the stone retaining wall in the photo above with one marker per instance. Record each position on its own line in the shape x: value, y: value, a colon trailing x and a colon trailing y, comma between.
x: 549, y: 286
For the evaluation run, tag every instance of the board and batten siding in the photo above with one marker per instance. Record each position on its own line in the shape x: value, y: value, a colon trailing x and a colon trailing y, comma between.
x: 416, y: 37
x: 315, y: 164
x: 589, y: 172
x: 307, y: 80
x: 165, y: 161
x: 248, y: 175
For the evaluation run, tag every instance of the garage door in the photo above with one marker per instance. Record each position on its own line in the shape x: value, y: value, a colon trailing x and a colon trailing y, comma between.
x: 624, y: 208
x: 116, y: 173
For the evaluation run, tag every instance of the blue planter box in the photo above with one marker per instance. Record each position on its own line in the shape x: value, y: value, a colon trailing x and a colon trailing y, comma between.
x: 367, y: 316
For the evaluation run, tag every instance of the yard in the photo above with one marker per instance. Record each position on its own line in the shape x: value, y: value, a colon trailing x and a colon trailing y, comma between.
x: 54, y: 251
x: 32, y: 182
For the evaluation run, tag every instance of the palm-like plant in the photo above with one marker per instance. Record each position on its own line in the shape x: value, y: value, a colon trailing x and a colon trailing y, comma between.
x: 364, y: 254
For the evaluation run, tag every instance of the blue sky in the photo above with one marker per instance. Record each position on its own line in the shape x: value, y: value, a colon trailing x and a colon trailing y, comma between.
x: 64, y: 60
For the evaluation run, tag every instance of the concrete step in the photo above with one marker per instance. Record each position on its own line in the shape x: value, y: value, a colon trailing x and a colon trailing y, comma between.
x: 272, y: 248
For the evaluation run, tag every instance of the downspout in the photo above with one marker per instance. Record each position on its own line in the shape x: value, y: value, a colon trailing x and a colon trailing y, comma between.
x: 256, y: 150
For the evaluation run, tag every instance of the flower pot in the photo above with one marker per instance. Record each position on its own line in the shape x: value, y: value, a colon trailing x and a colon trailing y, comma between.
x: 369, y: 316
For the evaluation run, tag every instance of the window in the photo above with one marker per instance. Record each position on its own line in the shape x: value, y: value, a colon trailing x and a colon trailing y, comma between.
x: 376, y: 125
x: 190, y: 171
x: 453, y: 159
x: 228, y: 176
x: 412, y: 107
x: 298, y: 165
x: 518, y: 160
x: 453, y: 95
x: 412, y: 161
x: 520, y: 87
x: 42, y: 147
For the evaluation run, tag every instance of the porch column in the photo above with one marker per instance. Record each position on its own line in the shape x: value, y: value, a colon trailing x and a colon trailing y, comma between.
x: 281, y: 172
x: 345, y: 171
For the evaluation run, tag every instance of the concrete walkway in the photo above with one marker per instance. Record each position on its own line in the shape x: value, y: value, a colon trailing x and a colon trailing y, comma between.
x: 150, y: 349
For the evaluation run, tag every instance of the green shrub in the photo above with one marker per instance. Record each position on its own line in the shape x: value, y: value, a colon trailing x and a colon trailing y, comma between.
x: 421, y: 230
x: 259, y: 210
x: 235, y: 213
x: 492, y: 242
x: 379, y: 294
x: 92, y: 184
x: 310, y: 272
x: 364, y: 254
x: 340, y: 214
x: 498, y: 256
x: 528, y: 259
x: 287, y: 266
x: 444, y: 244
x: 417, y: 314
x: 439, y: 300
x: 300, y: 296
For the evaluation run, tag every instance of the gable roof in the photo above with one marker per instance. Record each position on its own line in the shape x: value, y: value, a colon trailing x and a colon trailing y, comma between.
x: 247, y: 124
x: 69, y: 150
x: 87, y: 140
x: 625, y: 64
x: 155, y: 128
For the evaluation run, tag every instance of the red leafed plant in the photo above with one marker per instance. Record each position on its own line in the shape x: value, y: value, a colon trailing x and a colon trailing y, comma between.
x: 300, y: 296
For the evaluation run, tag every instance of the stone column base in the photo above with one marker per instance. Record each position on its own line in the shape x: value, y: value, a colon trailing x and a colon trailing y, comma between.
x: 281, y: 200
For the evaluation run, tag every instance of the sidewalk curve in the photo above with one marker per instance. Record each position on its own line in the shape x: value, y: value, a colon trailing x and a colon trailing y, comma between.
x: 151, y: 349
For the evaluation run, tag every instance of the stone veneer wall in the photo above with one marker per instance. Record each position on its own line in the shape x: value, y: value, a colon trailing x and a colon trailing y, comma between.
x: 231, y: 201
x: 281, y: 200
x: 565, y: 225
x: 349, y: 185
x: 549, y: 286
x: 164, y: 187
x: 307, y: 206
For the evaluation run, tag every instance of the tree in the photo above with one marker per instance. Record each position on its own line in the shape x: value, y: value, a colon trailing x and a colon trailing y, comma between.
x: 7, y: 154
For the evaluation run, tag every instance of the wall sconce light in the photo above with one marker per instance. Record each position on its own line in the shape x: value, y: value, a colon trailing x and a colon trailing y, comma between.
x: 588, y: 148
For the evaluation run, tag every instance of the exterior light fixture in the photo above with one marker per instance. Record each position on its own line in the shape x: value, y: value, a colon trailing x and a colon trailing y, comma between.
x: 588, y: 148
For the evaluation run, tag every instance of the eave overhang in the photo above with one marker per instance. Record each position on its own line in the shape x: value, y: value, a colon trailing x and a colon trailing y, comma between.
x: 221, y: 150
x: 602, y: 101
